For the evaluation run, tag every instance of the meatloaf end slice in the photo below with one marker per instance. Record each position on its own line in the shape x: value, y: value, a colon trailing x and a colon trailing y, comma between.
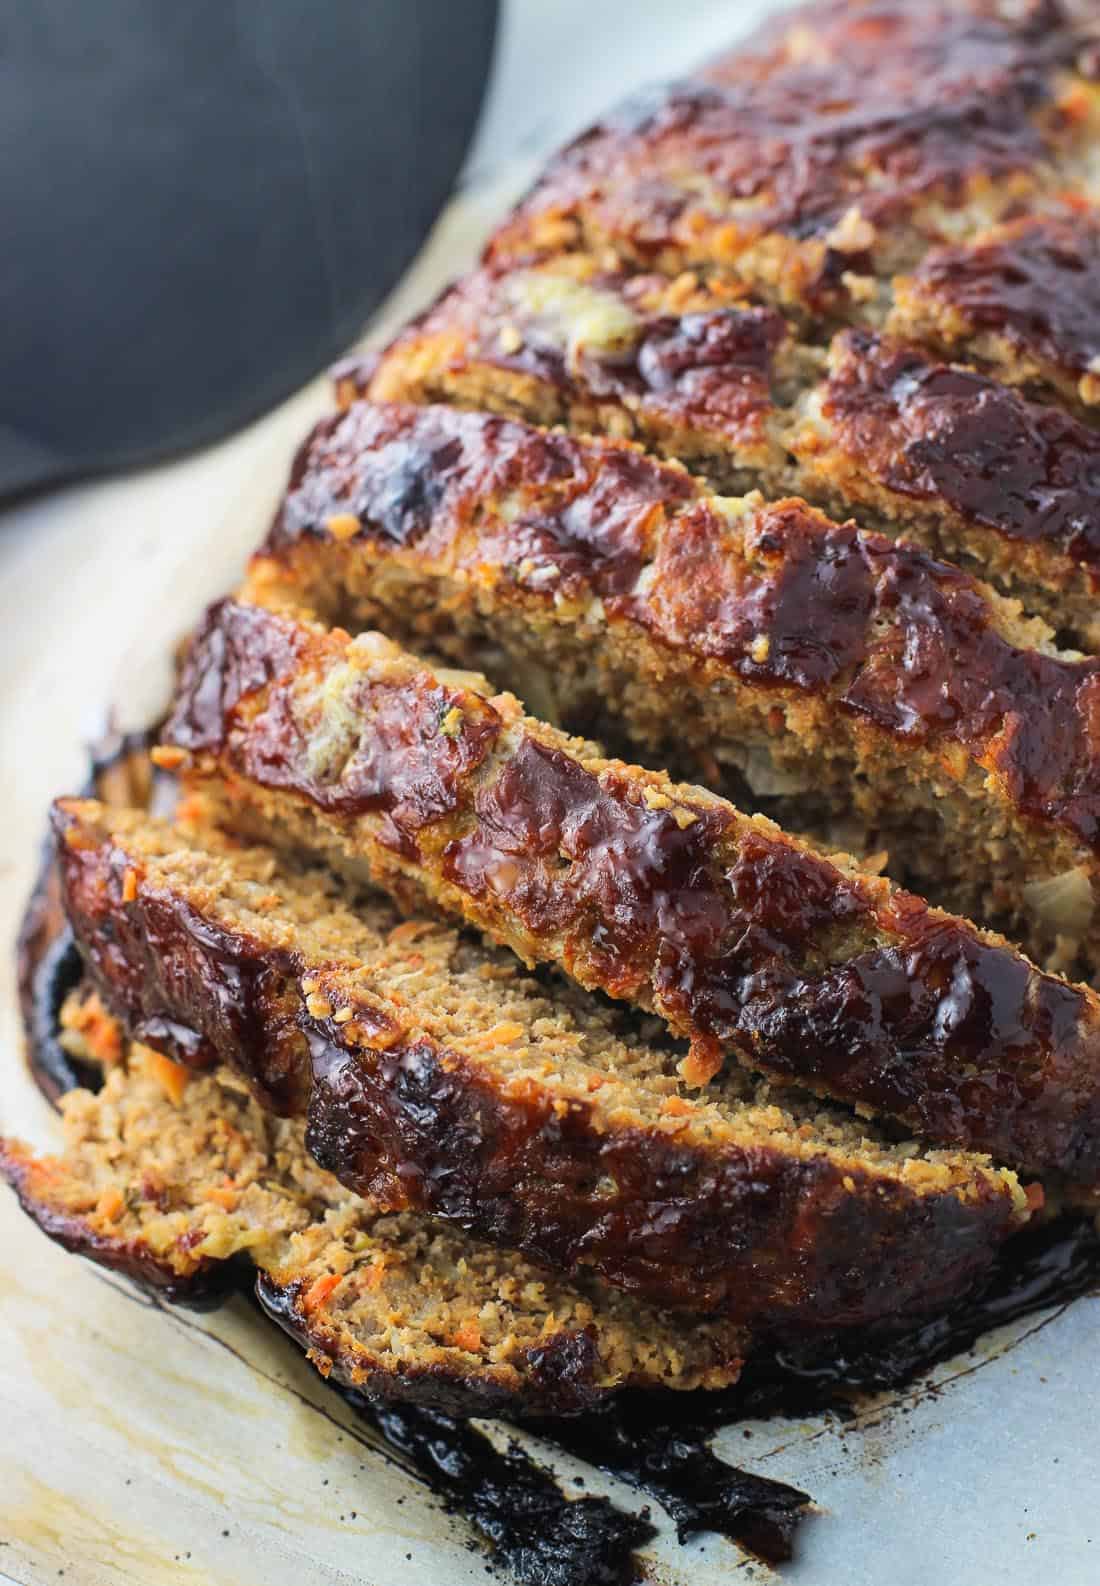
x: 171, y: 1176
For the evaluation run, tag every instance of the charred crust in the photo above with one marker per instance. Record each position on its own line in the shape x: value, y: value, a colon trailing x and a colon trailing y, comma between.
x: 48, y: 963
x: 178, y: 982
x: 724, y: 930
x: 678, y: 1224
x: 902, y: 642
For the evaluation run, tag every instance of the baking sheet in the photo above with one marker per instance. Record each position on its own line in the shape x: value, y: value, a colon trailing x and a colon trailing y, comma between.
x: 144, y: 1444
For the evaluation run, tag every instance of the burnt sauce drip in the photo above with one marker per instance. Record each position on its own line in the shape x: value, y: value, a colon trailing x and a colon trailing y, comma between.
x: 661, y: 1442
x: 539, y: 1534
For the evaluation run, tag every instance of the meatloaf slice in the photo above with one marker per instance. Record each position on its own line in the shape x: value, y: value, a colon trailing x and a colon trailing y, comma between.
x: 745, y: 940
x: 942, y: 453
x: 169, y: 1178
x: 973, y: 467
x: 815, y: 660
x: 694, y: 371
x: 1022, y: 298
x: 437, y: 1077
x: 829, y: 152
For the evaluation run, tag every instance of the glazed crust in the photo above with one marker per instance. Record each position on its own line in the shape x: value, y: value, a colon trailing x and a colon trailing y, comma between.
x: 803, y: 1240
x: 828, y: 151
x: 889, y: 682
x: 973, y: 466
x: 1023, y: 297
x: 745, y: 940
x: 687, y: 369
x: 996, y: 480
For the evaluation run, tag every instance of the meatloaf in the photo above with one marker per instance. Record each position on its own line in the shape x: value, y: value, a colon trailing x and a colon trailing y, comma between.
x: 1022, y: 298
x: 437, y: 1077
x: 832, y: 667
x: 748, y: 942
x: 978, y: 465
x: 826, y: 153
x: 170, y: 1177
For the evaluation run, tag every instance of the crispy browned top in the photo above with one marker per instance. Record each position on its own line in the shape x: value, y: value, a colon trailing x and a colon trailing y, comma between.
x: 734, y: 933
x: 1035, y: 281
x: 881, y: 105
x: 918, y: 49
x: 781, y: 596
x: 708, y: 363
x: 415, y: 475
x: 942, y: 433
x: 903, y: 641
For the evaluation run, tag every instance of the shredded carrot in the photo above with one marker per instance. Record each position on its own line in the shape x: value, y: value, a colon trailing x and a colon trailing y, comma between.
x: 467, y: 1337
x: 192, y: 808
x: 167, y: 756
x: 408, y: 931
x: 703, y: 1061
x: 1074, y: 103
x: 224, y: 1197
x: 1076, y: 200
x: 111, y: 1204
x: 372, y: 1277
x: 172, y: 1077
x: 499, y: 1035
x: 129, y: 886
x: 77, y: 839
x: 101, y: 1030
x: 676, y: 1107
x: 319, y: 1291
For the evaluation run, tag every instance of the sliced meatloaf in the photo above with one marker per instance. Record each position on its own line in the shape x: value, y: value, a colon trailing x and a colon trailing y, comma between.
x: 693, y: 370
x: 853, y: 672
x: 170, y: 1178
x: 973, y: 468
x: 1000, y: 483
x: 830, y: 150
x: 437, y: 1077
x: 745, y: 940
x: 1022, y: 298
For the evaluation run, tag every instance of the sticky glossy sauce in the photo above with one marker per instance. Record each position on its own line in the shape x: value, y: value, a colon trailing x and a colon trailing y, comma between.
x: 942, y: 433
x: 1036, y: 283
